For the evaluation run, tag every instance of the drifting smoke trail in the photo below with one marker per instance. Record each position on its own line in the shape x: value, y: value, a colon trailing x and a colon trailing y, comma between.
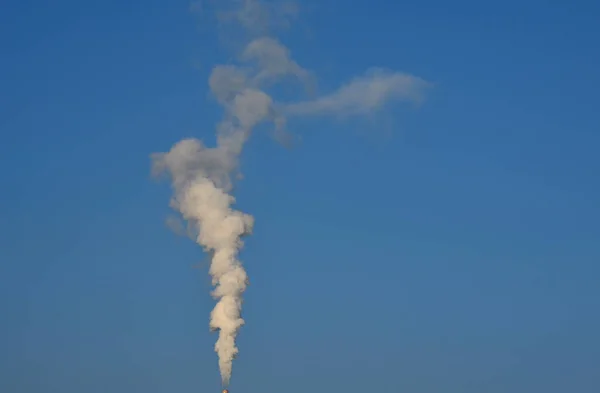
x: 201, y: 175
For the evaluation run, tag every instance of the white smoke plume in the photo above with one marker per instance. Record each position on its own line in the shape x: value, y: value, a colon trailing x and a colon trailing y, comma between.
x: 201, y: 176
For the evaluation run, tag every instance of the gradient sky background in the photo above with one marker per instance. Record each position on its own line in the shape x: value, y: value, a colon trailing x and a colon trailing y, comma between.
x: 457, y: 253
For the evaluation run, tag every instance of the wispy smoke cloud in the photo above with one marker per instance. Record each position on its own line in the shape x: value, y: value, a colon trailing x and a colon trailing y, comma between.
x: 256, y: 16
x: 273, y: 59
x: 201, y: 176
x: 364, y: 95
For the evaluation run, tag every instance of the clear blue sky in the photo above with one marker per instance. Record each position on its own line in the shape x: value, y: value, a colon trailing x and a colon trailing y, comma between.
x: 458, y: 253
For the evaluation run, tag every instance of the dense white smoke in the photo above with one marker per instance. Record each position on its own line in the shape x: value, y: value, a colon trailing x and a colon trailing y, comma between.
x: 201, y: 175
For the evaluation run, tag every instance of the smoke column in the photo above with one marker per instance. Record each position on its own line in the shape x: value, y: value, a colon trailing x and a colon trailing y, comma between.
x: 201, y: 176
x: 201, y: 185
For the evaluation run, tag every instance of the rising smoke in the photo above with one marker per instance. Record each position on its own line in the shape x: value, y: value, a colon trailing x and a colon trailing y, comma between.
x: 201, y: 176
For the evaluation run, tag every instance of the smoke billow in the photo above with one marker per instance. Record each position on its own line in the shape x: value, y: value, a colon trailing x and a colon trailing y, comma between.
x: 201, y: 176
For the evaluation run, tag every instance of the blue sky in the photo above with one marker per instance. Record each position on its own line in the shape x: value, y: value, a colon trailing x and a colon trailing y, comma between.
x: 446, y: 248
